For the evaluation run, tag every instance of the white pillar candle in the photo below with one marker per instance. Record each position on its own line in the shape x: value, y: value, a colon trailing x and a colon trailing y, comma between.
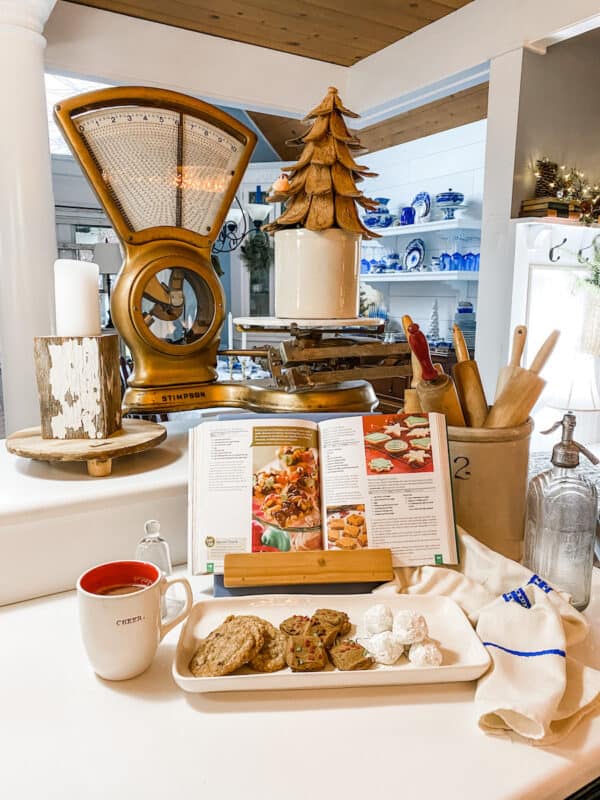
x: 230, y: 331
x: 244, y: 341
x: 76, y: 298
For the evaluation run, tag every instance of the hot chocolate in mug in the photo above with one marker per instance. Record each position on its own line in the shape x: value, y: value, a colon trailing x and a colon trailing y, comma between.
x: 120, y: 616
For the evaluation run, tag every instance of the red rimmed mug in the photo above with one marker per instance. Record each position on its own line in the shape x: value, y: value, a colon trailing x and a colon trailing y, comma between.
x: 120, y: 616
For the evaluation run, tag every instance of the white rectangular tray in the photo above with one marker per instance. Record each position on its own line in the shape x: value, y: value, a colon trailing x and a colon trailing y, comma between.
x: 465, y: 658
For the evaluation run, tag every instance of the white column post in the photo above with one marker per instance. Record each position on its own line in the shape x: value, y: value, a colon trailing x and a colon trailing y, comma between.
x: 27, y: 233
x: 498, y: 233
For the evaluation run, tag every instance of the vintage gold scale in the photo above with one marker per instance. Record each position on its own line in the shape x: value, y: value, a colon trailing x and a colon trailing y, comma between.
x: 166, y: 167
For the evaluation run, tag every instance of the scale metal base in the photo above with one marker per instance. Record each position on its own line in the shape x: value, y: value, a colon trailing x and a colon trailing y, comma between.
x: 260, y: 396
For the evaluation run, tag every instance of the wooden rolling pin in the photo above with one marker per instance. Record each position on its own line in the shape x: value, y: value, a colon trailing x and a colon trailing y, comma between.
x: 514, y: 365
x: 468, y: 383
x: 411, y: 401
x: 522, y: 391
x: 435, y: 392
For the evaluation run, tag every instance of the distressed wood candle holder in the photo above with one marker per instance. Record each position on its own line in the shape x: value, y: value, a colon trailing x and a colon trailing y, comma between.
x: 79, y: 386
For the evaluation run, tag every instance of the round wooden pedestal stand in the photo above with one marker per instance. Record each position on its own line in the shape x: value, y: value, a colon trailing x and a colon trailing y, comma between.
x: 135, y: 436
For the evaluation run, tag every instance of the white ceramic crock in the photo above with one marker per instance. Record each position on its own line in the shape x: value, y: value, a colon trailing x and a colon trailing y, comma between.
x: 316, y: 274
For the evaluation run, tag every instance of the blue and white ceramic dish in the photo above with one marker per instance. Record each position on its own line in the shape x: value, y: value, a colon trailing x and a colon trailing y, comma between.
x: 385, y: 220
x: 371, y: 220
x: 449, y: 201
x: 414, y: 255
x: 383, y: 204
x: 422, y: 205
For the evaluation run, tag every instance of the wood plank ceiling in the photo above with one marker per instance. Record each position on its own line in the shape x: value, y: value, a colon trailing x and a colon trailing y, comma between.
x: 456, y: 109
x: 338, y: 31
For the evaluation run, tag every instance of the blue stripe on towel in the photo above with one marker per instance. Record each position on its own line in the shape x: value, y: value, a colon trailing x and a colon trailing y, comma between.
x: 518, y: 596
x: 540, y: 583
x: 554, y: 651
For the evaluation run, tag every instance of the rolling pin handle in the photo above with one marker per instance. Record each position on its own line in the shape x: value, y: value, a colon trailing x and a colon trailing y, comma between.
x: 418, y: 344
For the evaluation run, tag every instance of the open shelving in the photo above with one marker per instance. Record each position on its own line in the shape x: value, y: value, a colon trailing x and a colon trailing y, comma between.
x: 395, y: 277
x: 438, y: 225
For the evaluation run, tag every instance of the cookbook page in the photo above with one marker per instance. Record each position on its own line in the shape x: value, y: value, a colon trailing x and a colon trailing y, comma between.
x: 385, y: 482
x: 254, y: 487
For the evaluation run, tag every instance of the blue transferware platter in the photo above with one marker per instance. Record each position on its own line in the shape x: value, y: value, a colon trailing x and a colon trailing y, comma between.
x: 385, y: 220
x: 414, y: 255
x: 371, y: 220
x: 422, y: 204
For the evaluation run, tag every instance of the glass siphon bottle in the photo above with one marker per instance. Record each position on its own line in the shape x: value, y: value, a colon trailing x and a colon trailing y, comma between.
x: 562, y: 512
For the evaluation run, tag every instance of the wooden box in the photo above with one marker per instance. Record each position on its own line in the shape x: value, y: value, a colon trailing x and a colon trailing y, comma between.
x: 79, y: 386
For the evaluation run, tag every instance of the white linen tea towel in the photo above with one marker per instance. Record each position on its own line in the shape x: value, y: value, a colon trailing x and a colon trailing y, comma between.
x: 533, y: 686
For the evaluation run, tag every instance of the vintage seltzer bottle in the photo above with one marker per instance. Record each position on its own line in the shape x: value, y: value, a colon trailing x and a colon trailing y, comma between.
x: 562, y: 512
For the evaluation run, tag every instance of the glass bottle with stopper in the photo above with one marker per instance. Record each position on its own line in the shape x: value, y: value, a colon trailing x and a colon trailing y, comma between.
x: 562, y: 510
x: 152, y: 547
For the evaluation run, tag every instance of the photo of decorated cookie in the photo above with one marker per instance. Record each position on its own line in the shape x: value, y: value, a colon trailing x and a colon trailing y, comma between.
x: 422, y: 443
x: 380, y: 465
x: 414, y: 421
x: 396, y: 446
x: 377, y: 437
x: 355, y: 519
x: 416, y: 457
x: 416, y: 432
x: 395, y: 430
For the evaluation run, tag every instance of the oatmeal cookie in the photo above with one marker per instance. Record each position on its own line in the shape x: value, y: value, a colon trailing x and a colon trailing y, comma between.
x: 271, y: 657
x: 235, y: 642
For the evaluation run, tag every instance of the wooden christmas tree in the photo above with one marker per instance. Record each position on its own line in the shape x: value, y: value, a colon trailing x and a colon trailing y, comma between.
x: 321, y: 190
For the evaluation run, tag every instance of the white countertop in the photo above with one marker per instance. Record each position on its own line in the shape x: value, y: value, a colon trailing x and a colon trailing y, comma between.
x: 67, y: 735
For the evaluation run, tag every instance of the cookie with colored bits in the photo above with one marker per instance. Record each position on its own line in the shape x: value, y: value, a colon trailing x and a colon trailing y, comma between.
x: 325, y: 631
x: 295, y: 625
x: 228, y: 647
x: 271, y: 656
x: 305, y: 653
x: 339, y: 618
x: 348, y: 654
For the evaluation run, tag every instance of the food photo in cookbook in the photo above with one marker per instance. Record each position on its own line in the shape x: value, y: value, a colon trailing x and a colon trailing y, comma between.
x: 285, y: 495
x: 397, y: 444
x: 346, y: 527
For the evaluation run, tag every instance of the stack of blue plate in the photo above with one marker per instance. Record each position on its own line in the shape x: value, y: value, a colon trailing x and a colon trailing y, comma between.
x: 466, y: 321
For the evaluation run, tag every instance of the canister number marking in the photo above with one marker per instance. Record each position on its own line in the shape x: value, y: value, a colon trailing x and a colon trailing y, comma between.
x: 462, y: 473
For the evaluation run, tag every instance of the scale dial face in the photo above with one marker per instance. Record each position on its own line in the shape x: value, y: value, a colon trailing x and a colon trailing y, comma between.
x: 160, y: 166
x: 175, y: 308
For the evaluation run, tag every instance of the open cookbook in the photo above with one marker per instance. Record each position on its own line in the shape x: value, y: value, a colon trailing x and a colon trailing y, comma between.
x: 267, y: 485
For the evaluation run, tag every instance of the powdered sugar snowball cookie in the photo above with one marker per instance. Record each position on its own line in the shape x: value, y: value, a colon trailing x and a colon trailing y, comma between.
x: 384, y: 647
x: 425, y: 654
x: 378, y: 619
x: 409, y: 626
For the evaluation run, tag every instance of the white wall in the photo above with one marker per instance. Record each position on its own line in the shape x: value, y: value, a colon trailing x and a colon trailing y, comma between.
x: 559, y: 114
x: 451, y: 159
